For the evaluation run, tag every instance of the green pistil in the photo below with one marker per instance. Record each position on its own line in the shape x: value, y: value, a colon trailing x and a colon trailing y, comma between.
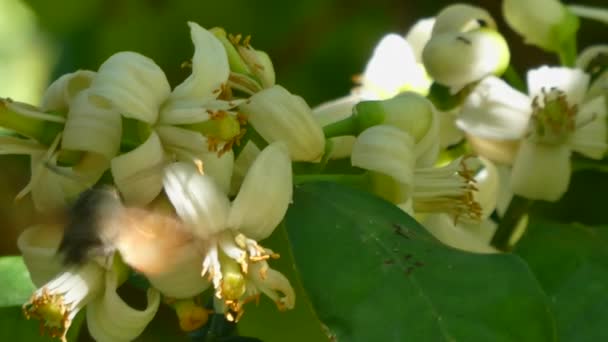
x: 224, y: 127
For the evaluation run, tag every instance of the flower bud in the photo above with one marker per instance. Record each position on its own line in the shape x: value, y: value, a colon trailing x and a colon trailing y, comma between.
x: 456, y: 59
x: 410, y: 112
x: 462, y: 18
x: 278, y: 115
x: 545, y: 23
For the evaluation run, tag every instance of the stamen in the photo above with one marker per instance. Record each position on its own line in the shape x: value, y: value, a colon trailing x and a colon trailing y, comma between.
x: 51, y: 310
x: 448, y: 189
x: 552, y: 120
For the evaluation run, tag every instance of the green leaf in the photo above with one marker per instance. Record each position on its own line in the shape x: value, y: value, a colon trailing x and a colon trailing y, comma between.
x: 15, y: 284
x: 267, y: 323
x: 374, y: 274
x: 571, y: 263
x: 14, y: 327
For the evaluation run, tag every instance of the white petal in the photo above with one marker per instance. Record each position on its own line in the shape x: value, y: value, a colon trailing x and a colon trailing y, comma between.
x: 419, y: 35
x: 219, y: 168
x: 506, y: 193
x: 14, y: 145
x: 573, y: 82
x: 427, y: 147
x: 185, y: 111
x: 273, y: 284
x: 210, y: 67
x: 495, y: 110
x: 541, y: 172
x: 134, y: 84
x: 590, y: 136
x: 110, y: 319
x: 198, y: 200
x: 59, y: 95
x: 265, y: 194
x: 179, y: 140
x: 241, y: 166
x: 443, y: 229
x: 184, y: 280
x: 536, y: 21
x: 392, y: 69
x: 449, y: 133
x: 38, y: 245
x: 488, y: 183
x: 387, y: 150
x: 280, y: 116
x: 92, y: 125
x: 138, y: 173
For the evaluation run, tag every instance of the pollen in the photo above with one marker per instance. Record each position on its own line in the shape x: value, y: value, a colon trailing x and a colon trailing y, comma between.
x: 52, y: 312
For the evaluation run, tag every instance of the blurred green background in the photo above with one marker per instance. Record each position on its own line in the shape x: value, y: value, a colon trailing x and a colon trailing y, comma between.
x: 317, y: 46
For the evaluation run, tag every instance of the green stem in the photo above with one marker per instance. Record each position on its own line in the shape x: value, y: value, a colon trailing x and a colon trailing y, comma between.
x: 347, y: 126
x: 567, y: 52
x: 515, y: 212
x: 31, y: 127
x: 512, y: 77
x: 359, y: 181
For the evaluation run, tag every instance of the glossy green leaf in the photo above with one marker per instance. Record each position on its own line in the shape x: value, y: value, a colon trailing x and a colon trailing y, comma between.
x: 15, y: 284
x: 265, y: 322
x: 374, y: 274
x: 14, y: 327
x: 571, y: 263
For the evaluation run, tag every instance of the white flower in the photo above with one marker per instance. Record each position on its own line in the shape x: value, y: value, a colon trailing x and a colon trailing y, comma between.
x: 471, y: 236
x: 389, y: 152
x: 190, y: 123
x: 278, y: 115
x: 93, y: 285
x: 551, y: 122
x: 234, y: 262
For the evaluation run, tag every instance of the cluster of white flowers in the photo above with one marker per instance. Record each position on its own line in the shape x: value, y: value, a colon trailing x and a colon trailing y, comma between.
x: 125, y: 123
x: 219, y: 148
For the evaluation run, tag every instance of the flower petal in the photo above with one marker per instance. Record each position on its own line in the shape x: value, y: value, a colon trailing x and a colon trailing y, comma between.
x: 461, y: 18
x: 265, y: 194
x: 488, y: 183
x: 196, y: 197
x: 92, y: 125
x: 573, y: 82
x: 109, y: 318
x: 590, y: 137
x: 180, y: 140
x: 419, y: 35
x: 495, y: 110
x: 14, y: 145
x: 184, y: 280
x: 392, y: 69
x: 280, y: 116
x: 210, y: 67
x: 219, y: 168
x: 38, y: 245
x: 138, y: 173
x: 387, y: 150
x: 541, y: 172
x: 59, y: 95
x: 443, y: 229
x: 241, y: 165
x: 134, y: 84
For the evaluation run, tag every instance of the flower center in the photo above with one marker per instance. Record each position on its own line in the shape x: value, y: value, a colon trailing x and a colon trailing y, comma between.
x: 553, y: 120
x: 223, y: 130
x: 227, y: 265
x: 52, y: 312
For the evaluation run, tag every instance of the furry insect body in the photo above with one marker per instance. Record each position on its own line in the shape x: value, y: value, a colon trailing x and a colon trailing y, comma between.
x: 89, y: 232
x: 148, y: 241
